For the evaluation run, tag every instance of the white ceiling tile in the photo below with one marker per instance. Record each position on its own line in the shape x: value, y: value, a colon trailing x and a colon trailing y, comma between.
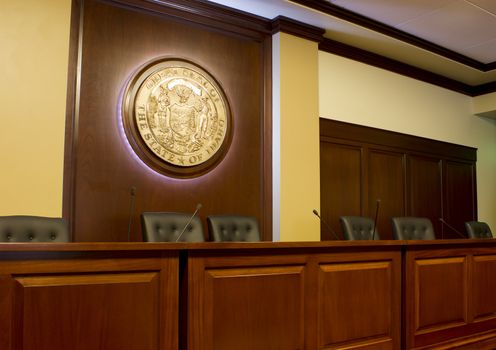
x: 488, y: 5
x: 392, y: 12
x: 458, y: 25
x: 485, y: 53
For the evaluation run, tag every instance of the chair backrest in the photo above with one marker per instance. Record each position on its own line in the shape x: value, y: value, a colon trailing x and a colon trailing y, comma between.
x: 412, y: 228
x: 358, y: 228
x: 24, y: 228
x: 167, y: 226
x: 478, y: 229
x: 235, y: 228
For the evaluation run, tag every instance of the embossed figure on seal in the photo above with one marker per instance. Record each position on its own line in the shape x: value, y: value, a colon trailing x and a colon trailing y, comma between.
x: 181, y: 115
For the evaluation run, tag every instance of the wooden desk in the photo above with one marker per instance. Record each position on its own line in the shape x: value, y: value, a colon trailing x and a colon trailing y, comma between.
x: 322, y: 295
x: 449, y: 294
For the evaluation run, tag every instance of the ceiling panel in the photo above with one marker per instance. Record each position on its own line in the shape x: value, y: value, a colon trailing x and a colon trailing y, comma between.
x: 488, y: 5
x: 458, y: 25
x: 392, y: 12
x: 484, y: 52
x: 463, y: 17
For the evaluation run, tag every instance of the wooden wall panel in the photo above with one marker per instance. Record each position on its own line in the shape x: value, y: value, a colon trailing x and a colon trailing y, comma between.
x: 116, y: 39
x: 424, y: 189
x: 460, y: 202
x: 341, y: 184
x: 413, y: 176
x: 386, y: 181
x: 361, y: 294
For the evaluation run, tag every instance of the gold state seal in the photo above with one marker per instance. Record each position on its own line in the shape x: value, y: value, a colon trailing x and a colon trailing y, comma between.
x: 180, y: 113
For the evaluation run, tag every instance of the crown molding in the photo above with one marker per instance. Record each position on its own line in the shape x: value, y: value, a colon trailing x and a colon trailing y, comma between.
x: 373, y: 59
x: 293, y: 27
x: 205, y: 13
x: 349, y: 16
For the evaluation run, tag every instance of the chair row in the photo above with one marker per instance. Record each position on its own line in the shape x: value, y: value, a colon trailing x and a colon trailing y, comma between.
x: 180, y: 227
x: 156, y: 227
x: 404, y: 228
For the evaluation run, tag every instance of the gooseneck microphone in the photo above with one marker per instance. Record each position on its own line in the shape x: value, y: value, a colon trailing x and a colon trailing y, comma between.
x: 198, y: 207
x: 326, y: 224
x: 452, y: 228
x: 132, y: 201
x: 377, y: 205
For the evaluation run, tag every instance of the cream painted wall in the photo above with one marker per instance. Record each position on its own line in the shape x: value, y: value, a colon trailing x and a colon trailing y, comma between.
x: 357, y: 93
x: 296, y: 139
x: 34, y: 39
x: 485, y: 105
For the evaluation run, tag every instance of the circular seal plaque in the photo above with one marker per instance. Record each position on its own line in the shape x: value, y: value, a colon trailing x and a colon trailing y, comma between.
x: 177, y: 117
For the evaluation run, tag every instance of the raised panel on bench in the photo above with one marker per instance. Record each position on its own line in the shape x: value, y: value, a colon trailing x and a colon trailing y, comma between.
x: 483, y: 287
x: 356, y: 305
x: 386, y: 181
x: 340, y: 184
x: 89, y: 311
x: 254, y: 308
x: 441, y: 293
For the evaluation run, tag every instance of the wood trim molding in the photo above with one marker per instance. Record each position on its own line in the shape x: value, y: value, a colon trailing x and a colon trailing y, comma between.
x: 484, y: 88
x: 203, y: 12
x: 364, y: 134
x: 376, y: 60
x: 339, y: 12
x: 290, y: 26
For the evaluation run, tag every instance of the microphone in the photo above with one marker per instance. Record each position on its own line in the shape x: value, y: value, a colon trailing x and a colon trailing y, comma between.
x: 198, y: 207
x: 452, y: 228
x: 377, y: 205
x: 132, y: 193
x: 326, y: 224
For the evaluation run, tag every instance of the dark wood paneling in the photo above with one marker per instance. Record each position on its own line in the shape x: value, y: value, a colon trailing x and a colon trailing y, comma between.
x: 362, y: 294
x: 483, y: 285
x: 460, y: 202
x: 116, y: 40
x: 268, y: 304
x: 89, y: 300
x: 89, y: 311
x: 299, y: 299
x: 424, y: 189
x: 395, y: 140
x: 340, y: 184
x: 386, y: 181
x: 412, y: 176
x: 440, y: 282
x: 343, y: 294
x: 447, y: 296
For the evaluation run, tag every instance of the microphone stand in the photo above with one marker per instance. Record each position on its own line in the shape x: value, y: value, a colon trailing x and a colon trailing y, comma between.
x: 198, y: 207
x: 452, y: 228
x: 326, y: 224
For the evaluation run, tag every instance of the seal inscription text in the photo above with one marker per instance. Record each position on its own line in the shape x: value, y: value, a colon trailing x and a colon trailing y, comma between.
x: 181, y: 113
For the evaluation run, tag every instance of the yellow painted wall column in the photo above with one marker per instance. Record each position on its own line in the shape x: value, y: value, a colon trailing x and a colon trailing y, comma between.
x: 296, y: 138
x: 34, y: 39
x: 485, y: 105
